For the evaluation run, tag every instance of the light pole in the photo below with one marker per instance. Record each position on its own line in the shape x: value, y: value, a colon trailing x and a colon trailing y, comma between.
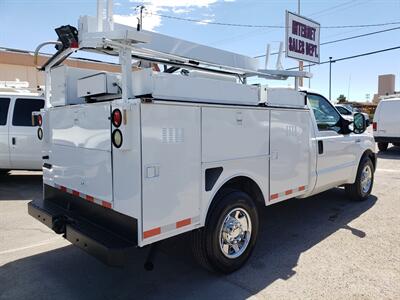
x: 330, y: 77
x: 300, y: 62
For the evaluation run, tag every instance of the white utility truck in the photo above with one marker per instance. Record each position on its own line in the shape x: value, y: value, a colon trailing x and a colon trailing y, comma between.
x: 134, y: 158
x: 20, y: 148
x: 386, y: 125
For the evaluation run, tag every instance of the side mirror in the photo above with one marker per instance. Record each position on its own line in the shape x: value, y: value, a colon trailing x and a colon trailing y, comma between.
x: 359, y: 123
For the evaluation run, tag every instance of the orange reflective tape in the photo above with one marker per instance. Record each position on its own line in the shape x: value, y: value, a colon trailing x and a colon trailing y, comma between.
x: 75, y: 193
x: 106, y: 204
x: 302, y: 188
x: 151, y: 232
x: 288, y: 192
x: 182, y: 223
x: 274, y: 196
x: 89, y: 198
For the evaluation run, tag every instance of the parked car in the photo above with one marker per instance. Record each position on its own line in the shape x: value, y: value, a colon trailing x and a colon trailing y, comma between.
x: 19, y: 145
x: 348, y: 112
x: 386, y: 124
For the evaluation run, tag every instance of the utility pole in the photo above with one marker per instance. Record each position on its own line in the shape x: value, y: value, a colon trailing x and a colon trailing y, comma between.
x: 300, y: 62
x: 140, y: 25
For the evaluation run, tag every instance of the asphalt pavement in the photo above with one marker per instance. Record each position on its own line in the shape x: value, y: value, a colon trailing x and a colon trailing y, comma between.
x: 323, y: 247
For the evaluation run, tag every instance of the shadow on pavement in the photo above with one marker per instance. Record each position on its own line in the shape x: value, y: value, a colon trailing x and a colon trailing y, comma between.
x: 20, y: 186
x: 288, y: 229
x: 391, y: 153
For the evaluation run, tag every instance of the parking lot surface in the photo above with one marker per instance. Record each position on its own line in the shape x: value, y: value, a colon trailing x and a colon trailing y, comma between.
x: 321, y: 247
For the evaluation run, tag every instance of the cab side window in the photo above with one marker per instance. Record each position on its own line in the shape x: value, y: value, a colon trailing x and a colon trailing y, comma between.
x: 23, y: 111
x: 4, y: 105
x: 326, y: 116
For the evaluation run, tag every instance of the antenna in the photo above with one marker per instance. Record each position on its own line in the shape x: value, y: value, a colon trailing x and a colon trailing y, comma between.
x: 267, y: 56
x: 100, y: 8
x: 110, y: 21
x: 109, y: 25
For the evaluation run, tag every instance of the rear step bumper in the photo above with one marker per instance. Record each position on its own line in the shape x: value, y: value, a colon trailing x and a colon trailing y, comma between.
x: 101, y: 232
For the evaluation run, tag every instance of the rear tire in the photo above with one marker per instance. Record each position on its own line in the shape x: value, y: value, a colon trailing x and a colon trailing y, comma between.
x: 383, y: 146
x: 228, y: 238
x: 362, y: 187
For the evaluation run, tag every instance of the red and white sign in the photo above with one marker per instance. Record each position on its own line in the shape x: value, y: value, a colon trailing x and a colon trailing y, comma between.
x: 302, y: 38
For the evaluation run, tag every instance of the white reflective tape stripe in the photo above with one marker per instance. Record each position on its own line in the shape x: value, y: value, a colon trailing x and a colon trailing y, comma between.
x: 289, y: 192
x: 170, y: 227
x: 82, y: 195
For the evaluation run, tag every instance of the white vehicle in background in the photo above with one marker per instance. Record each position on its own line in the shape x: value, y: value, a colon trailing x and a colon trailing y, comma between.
x: 348, y: 112
x: 345, y: 112
x: 386, y: 124
x: 132, y: 159
x: 19, y: 145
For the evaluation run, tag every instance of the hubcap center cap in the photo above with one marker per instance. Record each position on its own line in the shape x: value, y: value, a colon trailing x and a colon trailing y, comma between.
x: 235, y: 233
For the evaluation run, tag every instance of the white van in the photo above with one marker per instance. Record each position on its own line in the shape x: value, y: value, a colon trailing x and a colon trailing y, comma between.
x: 386, y: 123
x: 20, y: 148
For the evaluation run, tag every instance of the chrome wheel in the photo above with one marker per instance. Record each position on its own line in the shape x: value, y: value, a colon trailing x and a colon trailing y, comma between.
x: 235, y: 233
x: 366, y: 179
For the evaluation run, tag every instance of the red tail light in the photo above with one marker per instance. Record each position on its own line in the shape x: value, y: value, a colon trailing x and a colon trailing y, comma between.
x: 374, y: 126
x: 40, y: 120
x: 116, y: 118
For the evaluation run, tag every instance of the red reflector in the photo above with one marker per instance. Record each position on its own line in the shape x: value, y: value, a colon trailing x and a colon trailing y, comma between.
x: 151, y: 232
x: 40, y: 120
x: 182, y: 223
x: 74, y: 44
x: 117, y: 118
x: 374, y: 126
x: 106, y: 204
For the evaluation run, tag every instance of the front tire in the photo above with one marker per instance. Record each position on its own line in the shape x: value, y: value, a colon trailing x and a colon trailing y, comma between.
x: 362, y: 187
x: 383, y: 146
x: 229, y: 235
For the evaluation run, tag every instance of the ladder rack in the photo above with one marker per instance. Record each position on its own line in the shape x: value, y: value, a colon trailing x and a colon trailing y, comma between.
x: 128, y: 43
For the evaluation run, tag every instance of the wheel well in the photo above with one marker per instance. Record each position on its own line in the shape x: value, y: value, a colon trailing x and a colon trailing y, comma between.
x: 244, y: 184
x: 371, y: 155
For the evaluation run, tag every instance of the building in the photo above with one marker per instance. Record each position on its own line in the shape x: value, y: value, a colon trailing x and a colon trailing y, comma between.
x: 386, y: 87
x: 18, y: 65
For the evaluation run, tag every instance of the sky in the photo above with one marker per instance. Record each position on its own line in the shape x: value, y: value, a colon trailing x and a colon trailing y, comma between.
x: 24, y: 24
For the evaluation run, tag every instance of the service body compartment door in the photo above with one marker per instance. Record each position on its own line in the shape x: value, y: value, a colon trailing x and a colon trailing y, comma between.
x: 290, y: 153
x: 171, y: 159
x: 80, y: 152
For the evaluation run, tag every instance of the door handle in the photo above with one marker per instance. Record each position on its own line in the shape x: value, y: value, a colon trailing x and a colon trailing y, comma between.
x: 320, y: 147
x: 358, y: 140
x: 13, y: 140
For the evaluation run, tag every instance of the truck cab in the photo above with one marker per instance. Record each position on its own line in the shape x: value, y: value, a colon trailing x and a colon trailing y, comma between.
x: 338, y: 147
x: 20, y: 148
